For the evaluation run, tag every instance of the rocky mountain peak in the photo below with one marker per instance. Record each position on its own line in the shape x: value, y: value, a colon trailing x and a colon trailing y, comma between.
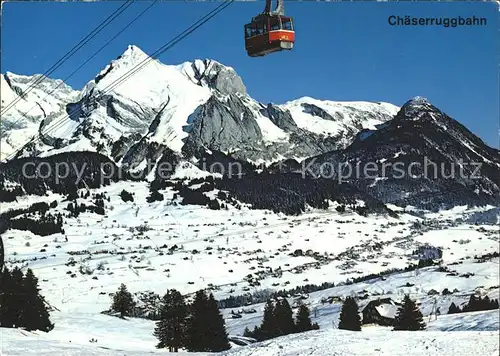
x: 214, y: 75
x: 418, y: 108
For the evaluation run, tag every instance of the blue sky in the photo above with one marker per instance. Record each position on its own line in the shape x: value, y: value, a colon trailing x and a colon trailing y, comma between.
x: 344, y: 51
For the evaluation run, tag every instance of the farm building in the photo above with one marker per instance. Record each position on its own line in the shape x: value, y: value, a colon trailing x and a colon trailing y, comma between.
x: 427, y: 251
x: 381, y: 312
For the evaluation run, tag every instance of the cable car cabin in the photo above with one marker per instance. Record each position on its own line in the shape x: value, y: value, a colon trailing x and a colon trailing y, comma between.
x: 269, y: 33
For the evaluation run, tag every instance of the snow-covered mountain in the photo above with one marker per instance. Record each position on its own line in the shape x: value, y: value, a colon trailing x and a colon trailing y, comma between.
x: 199, y: 104
x: 422, y: 157
x: 245, y: 238
x: 44, y: 102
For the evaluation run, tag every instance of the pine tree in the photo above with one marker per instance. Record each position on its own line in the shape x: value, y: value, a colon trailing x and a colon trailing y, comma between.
x: 247, y: 332
x: 409, y: 316
x: 196, y: 338
x: 453, y: 309
x: 8, y: 299
x: 35, y: 315
x: 216, y: 326
x: 494, y: 304
x: 206, y: 330
x: 472, y: 305
x: 349, y: 315
x: 303, y: 319
x: 20, y: 302
x: 171, y: 327
x: 269, y: 326
x: 284, y: 317
x: 15, y: 303
x: 123, y: 302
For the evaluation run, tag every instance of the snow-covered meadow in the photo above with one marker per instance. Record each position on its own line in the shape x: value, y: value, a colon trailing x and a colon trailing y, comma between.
x: 157, y: 246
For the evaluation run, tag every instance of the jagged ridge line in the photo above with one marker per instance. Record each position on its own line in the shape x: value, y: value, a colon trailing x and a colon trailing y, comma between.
x: 120, y: 80
x: 78, y: 46
x: 77, y: 69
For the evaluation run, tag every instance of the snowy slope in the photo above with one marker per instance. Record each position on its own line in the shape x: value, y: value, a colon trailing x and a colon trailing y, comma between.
x: 343, y: 119
x: 44, y: 102
x: 117, y: 337
x: 220, y: 249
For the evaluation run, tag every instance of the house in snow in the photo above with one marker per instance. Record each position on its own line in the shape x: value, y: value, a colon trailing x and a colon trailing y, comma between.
x: 426, y: 252
x: 381, y: 311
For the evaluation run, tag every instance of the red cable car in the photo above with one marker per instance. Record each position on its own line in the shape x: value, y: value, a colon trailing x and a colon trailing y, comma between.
x: 269, y: 32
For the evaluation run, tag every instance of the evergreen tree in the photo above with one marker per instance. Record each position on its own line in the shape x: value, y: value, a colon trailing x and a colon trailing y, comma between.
x: 16, y: 297
x: 21, y: 306
x: 123, y: 301
x: 9, y: 300
x: 206, y: 326
x: 247, y: 332
x: 409, y: 316
x: 171, y: 327
x: 196, y: 338
x: 284, y: 317
x: 472, y: 305
x: 35, y: 315
x: 303, y: 320
x: 453, y: 309
x: 478, y: 304
x: 349, y: 315
x: 494, y: 304
x: 216, y: 327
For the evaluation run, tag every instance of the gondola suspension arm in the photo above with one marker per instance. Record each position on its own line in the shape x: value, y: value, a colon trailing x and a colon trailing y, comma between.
x: 279, y: 10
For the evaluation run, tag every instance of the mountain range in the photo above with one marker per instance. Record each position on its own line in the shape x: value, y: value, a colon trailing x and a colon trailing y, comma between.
x: 199, y: 103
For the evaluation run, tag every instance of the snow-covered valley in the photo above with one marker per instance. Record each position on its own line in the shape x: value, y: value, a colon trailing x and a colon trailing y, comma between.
x: 157, y: 246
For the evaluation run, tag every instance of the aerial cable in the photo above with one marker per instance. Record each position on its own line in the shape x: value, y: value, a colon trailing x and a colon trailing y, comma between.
x: 120, y: 80
x: 139, y: 66
x: 168, y: 45
x: 89, y: 59
x: 79, y: 45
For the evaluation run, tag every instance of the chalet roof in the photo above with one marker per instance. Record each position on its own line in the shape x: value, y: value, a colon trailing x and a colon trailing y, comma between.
x: 387, y: 310
x: 385, y: 307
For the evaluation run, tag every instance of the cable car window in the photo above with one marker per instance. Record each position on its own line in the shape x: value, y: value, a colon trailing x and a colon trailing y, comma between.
x: 287, y: 25
x: 248, y: 32
x: 261, y: 28
x: 275, y: 23
x: 252, y: 29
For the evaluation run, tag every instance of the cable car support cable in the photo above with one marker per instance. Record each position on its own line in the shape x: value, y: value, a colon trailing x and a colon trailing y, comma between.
x: 24, y: 114
x: 120, y: 80
x: 70, y: 53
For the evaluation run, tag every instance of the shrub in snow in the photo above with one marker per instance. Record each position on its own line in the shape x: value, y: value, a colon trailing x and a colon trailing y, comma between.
x: 126, y: 196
